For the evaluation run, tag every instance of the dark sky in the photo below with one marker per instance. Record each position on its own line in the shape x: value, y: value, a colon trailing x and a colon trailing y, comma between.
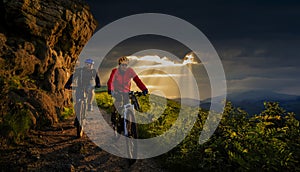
x: 257, y: 41
x: 256, y: 19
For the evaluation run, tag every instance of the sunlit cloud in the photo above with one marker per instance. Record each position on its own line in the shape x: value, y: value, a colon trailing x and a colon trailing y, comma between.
x: 147, y: 61
x: 189, y: 59
x: 161, y: 75
x: 164, y: 71
x: 155, y: 59
x: 167, y: 73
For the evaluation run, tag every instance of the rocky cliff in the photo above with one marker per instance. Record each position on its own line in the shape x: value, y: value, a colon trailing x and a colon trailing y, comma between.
x: 40, y: 41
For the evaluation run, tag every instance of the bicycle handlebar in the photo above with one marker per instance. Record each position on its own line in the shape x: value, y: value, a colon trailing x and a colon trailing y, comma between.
x: 132, y: 95
x: 76, y: 87
x: 136, y: 93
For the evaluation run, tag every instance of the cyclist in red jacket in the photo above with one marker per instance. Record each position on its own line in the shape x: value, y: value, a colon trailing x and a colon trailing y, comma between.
x: 119, y: 84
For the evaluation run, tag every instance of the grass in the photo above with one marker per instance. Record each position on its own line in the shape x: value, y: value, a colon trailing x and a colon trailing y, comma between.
x: 68, y: 112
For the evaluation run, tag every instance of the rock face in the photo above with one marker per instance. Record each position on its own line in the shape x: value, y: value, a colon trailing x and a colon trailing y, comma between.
x: 40, y: 41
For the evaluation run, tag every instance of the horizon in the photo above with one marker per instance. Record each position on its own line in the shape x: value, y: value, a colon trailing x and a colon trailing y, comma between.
x: 156, y: 62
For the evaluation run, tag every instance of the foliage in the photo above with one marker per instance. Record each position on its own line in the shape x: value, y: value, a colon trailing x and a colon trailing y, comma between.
x: 16, y: 118
x: 104, y: 101
x: 101, y: 89
x: 17, y: 82
x: 68, y: 112
x: 268, y: 141
x: 162, y: 115
x: 16, y: 124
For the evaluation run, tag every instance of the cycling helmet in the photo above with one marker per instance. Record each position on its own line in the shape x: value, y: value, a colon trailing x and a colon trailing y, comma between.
x: 123, y: 59
x: 89, y: 61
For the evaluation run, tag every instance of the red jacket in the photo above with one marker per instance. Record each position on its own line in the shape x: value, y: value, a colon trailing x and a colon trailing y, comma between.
x: 119, y: 81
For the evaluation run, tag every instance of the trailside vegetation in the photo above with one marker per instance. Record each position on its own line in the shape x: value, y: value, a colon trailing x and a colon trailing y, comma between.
x: 268, y: 141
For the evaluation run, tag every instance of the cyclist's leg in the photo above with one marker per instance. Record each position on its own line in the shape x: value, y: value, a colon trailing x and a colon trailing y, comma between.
x: 131, y: 143
x: 79, y: 110
x: 115, y: 115
x: 81, y: 119
x: 128, y: 125
x: 124, y: 100
x: 120, y: 119
x: 90, y: 97
x: 77, y: 106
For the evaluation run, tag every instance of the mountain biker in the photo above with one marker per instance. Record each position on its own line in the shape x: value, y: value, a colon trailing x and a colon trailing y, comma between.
x: 86, y: 79
x: 119, y: 84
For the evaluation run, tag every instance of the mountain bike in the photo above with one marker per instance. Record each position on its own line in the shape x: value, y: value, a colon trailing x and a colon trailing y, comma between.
x: 127, y: 122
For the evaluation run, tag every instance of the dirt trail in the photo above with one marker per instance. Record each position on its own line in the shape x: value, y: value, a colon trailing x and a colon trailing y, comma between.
x: 58, y: 149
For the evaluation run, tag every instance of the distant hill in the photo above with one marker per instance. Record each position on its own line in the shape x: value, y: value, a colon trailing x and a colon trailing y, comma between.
x: 252, y: 101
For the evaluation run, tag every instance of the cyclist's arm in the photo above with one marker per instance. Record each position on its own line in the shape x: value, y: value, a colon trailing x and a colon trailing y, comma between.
x: 74, y: 76
x: 138, y: 81
x: 110, y: 85
x: 97, y: 80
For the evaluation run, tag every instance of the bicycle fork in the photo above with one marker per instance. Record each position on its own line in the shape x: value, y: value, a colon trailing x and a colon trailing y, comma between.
x: 128, y: 117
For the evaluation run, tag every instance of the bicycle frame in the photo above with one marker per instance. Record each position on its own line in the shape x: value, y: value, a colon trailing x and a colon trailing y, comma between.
x: 129, y: 125
x: 128, y: 108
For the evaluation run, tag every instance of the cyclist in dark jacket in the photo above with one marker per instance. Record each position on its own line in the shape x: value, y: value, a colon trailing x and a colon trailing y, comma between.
x: 86, y: 79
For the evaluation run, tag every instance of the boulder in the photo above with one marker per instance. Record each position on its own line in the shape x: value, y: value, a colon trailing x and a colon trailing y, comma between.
x: 40, y: 41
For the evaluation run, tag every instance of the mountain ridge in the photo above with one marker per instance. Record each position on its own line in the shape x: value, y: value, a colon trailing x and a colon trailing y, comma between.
x: 252, y: 101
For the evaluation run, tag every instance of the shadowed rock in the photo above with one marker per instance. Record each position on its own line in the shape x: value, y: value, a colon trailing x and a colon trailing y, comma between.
x: 40, y: 41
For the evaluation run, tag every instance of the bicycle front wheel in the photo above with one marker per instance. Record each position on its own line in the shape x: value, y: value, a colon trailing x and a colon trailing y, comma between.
x: 81, y: 108
x: 131, y: 143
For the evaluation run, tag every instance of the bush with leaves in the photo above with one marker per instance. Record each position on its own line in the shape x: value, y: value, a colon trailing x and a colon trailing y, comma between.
x: 269, y: 141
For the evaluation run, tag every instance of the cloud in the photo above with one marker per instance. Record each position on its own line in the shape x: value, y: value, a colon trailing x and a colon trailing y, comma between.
x: 189, y: 59
x: 262, y: 83
x: 157, y: 59
x: 272, y: 52
x: 261, y: 64
x: 150, y: 61
x: 259, y: 49
x: 292, y: 90
x: 161, y: 75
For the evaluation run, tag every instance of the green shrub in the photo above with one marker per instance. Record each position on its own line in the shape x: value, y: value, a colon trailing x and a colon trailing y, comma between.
x: 104, y: 101
x: 269, y: 141
x: 68, y: 112
x: 16, y: 125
